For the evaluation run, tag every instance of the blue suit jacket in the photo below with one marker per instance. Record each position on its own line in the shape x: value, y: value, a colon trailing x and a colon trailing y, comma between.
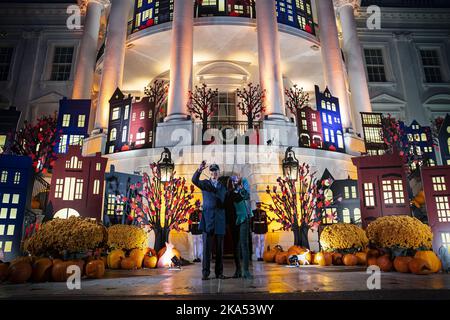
x: 213, y: 217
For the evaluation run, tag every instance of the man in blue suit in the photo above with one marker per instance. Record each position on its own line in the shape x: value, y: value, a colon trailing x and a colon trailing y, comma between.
x: 213, y: 218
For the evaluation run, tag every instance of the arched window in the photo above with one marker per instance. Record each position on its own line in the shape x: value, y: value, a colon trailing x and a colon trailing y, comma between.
x: 357, y: 215
x: 346, y: 215
x: 66, y: 213
x: 74, y: 162
x: 124, y: 133
x: 113, y: 134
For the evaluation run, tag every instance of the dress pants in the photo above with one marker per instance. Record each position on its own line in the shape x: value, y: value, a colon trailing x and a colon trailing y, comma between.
x: 197, y: 240
x: 241, y: 246
x: 258, y: 240
x: 207, y: 252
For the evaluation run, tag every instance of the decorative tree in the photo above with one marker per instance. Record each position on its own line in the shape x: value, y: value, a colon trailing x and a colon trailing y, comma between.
x: 302, y: 210
x: 37, y: 141
x: 203, y: 104
x: 158, y: 206
x: 251, y: 102
x: 157, y: 92
x: 296, y: 99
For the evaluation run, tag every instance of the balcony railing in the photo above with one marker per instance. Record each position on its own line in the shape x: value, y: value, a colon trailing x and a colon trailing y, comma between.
x: 234, y: 132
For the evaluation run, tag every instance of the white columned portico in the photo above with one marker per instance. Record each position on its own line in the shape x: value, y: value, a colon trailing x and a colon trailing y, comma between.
x: 112, y: 72
x: 177, y: 127
x: 360, y: 97
x: 84, y: 72
x: 276, y: 126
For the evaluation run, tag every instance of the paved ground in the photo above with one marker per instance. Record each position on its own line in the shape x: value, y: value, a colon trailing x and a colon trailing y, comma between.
x: 270, y: 282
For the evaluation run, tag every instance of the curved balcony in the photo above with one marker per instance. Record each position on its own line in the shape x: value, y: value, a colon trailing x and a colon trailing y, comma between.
x: 295, y: 14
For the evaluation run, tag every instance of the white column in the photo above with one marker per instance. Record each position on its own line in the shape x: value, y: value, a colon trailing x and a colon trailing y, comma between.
x: 333, y: 67
x: 355, y: 61
x: 84, y: 72
x: 269, y: 58
x: 181, y: 60
x: 114, y: 58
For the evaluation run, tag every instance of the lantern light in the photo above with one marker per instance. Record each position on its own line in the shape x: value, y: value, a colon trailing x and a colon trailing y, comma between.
x: 166, y: 166
x: 290, y: 165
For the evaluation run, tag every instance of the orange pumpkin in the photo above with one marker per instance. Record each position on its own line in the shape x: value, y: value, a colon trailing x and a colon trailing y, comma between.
x: 42, y: 270
x: 150, y: 252
x: 150, y: 262
x: 401, y: 264
x: 337, y: 259
x: 362, y: 258
x: 294, y: 250
x: 269, y: 255
x: 114, y: 258
x: 174, y: 251
x: 35, y: 204
x: 128, y: 264
x: 138, y: 256
x: 19, y: 272
x: 373, y: 253
x: 3, y: 271
x: 77, y: 262
x: 350, y: 260
x: 59, y: 271
x: 95, y: 269
x: 323, y: 259
x: 372, y: 261
x: 419, y: 266
x: 385, y: 263
x: 281, y: 257
x: 434, y: 263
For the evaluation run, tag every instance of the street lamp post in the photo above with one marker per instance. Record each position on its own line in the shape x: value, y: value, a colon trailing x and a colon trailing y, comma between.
x: 290, y: 165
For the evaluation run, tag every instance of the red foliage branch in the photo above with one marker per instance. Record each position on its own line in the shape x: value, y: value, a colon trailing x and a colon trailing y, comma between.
x: 251, y: 102
x: 157, y: 92
x: 203, y: 103
x: 37, y: 141
x: 296, y: 99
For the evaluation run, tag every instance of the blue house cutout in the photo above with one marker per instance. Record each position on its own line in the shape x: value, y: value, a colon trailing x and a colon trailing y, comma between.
x: 333, y: 133
x: 16, y: 183
x: 73, y: 122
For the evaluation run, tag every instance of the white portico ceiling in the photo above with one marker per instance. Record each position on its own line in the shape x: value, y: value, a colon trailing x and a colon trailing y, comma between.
x: 148, y: 54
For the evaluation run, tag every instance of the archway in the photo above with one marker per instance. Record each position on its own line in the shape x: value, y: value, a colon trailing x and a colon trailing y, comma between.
x: 66, y: 213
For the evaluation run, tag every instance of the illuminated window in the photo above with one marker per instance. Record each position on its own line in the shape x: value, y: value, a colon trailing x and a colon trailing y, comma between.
x: 59, y: 188
x: 373, y: 134
x: 324, y: 118
x: 354, y: 195
x: 62, y: 144
x: 305, y: 125
x: 445, y: 238
x: 3, y: 213
x: 147, y: 14
x: 8, y: 246
x: 133, y: 116
x: 340, y: 139
x: 110, y: 204
x: 346, y: 193
x: 98, y: 166
x: 2, y: 229
x: 314, y: 125
x: 13, y: 213
x: 76, y: 140
x: 6, y: 197
x: 369, y: 195
x: 330, y: 216
x: 81, y: 120
x: 439, y: 183
x: 357, y: 215
x: 96, y: 186
x: 327, y: 134
x: 115, y: 113
x: 62, y: 64
x: 209, y: 2
x: 140, y: 138
x: 74, y: 163
x: 79, y: 189
x: 346, y: 215
x: 10, y: 231
x: 393, y: 192
x: 113, y: 134
x: 443, y: 208
x: 142, y: 115
x: 387, y: 192
x: 111, y: 149
x: 66, y: 120
x: 4, y: 176
x: 124, y: 133
x: 2, y: 140
x: 126, y: 112
x: 15, y: 199
x: 17, y: 178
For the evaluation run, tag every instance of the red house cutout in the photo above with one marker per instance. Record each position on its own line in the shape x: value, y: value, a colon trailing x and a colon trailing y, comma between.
x: 77, y: 185
x: 382, y: 187
x: 436, y: 186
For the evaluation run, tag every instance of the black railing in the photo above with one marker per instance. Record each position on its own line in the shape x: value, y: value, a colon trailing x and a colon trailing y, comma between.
x: 41, y: 189
x: 236, y: 132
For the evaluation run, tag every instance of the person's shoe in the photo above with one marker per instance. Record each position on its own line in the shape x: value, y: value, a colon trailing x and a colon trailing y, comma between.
x: 260, y: 259
x: 247, y: 275
x: 205, y: 278
x: 196, y: 260
x: 237, y: 275
x: 222, y: 277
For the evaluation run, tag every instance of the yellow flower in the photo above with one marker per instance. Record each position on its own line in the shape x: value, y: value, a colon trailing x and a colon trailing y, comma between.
x: 341, y: 236
x: 72, y: 235
x: 399, y: 231
x: 121, y: 236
